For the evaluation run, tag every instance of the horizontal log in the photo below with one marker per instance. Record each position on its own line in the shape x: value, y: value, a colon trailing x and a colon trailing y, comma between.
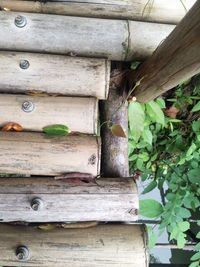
x: 109, y: 199
x: 113, y: 39
x: 36, y: 154
x: 50, y: 73
x: 160, y: 11
x: 103, y: 245
x: 79, y: 114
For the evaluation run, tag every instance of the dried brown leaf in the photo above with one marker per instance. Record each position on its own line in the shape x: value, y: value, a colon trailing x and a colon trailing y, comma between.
x: 118, y: 131
x: 12, y: 126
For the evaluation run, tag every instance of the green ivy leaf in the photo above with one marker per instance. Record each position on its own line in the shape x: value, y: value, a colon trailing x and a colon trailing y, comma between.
x: 150, y: 187
x: 183, y: 226
x: 194, y: 264
x: 136, y: 117
x: 155, y: 112
x: 56, y: 130
x: 150, y: 208
x: 184, y: 213
x: 152, y: 237
x: 196, y: 256
x: 161, y: 102
x: 147, y: 136
x: 135, y: 64
x: 181, y: 240
x: 196, y: 107
x: 194, y: 175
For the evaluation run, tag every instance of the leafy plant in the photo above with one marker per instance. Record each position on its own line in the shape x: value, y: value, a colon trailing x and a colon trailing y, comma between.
x: 164, y: 146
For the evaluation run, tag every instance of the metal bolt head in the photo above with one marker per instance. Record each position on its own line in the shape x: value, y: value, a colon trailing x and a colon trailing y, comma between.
x: 24, y: 64
x: 22, y: 253
x: 28, y: 106
x: 20, y: 21
x: 37, y: 204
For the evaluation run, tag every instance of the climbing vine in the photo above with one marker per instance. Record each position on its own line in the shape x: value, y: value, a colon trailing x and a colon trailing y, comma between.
x: 164, y: 150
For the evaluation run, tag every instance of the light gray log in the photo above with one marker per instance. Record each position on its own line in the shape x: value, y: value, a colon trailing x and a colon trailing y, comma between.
x: 80, y: 36
x: 49, y: 73
x: 36, y: 154
x: 103, y: 245
x: 111, y: 199
x: 164, y: 11
x: 79, y: 114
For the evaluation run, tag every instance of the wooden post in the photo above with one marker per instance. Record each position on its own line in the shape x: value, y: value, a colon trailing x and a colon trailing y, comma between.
x: 114, y: 157
x: 109, y: 199
x: 164, y: 11
x: 100, y: 246
x: 37, y: 154
x: 80, y: 114
x: 174, y: 61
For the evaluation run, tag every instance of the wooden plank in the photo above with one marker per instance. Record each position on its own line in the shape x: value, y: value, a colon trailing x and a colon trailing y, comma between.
x: 36, y: 154
x: 176, y: 60
x: 79, y: 114
x: 103, y: 245
x: 78, y: 36
x: 157, y: 11
x: 51, y: 73
x: 111, y: 199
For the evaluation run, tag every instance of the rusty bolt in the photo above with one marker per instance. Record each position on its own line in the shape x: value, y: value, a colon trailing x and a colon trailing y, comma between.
x: 20, y: 21
x: 37, y: 204
x: 22, y: 253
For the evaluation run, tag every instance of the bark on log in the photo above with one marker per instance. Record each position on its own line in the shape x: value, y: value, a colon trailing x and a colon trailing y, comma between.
x: 175, y: 60
x: 36, y: 154
x: 110, y: 199
x: 113, y: 39
x: 79, y: 114
x: 157, y: 11
x: 114, y: 160
x: 103, y: 245
x: 49, y: 73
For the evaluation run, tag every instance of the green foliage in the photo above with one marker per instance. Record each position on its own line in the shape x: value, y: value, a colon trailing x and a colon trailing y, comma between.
x: 165, y: 149
x: 56, y: 130
x: 150, y: 208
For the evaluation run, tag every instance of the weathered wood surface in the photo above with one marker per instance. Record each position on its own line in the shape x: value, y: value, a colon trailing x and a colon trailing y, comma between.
x: 158, y: 10
x: 114, y: 158
x: 175, y: 60
x: 48, y: 73
x: 79, y: 114
x: 80, y: 36
x: 103, y: 245
x: 110, y: 199
x: 36, y: 154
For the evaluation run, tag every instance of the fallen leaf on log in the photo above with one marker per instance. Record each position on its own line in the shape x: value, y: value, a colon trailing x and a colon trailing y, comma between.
x: 172, y: 112
x: 47, y: 227
x: 56, y: 130
x: 118, y: 131
x: 12, y: 126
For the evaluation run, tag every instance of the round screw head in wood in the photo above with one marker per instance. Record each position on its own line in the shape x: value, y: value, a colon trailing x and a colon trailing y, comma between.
x: 22, y: 253
x: 24, y: 64
x: 20, y: 21
x: 28, y: 106
x: 37, y: 204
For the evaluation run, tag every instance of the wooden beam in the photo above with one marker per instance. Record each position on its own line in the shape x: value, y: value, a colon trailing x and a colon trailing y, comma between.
x: 113, y: 39
x: 174, y: 61
x: 157, y: 11
x: 36, y: 154
x: 79, y: 114
x: 103, y: 245
x: 109, y: 199
x: 51, y: 73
